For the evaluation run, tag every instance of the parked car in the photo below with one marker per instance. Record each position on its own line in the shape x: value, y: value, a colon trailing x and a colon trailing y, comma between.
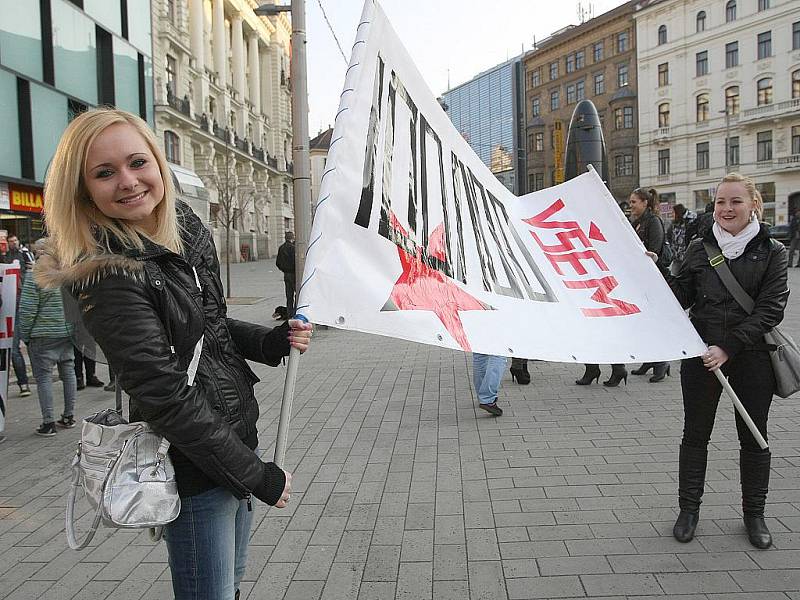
x: 780, y: 233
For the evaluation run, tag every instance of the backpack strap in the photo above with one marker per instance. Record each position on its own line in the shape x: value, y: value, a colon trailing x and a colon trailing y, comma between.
x: 717, y: 261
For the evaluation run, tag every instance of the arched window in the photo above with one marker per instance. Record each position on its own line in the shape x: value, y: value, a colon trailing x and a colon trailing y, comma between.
x: 172, y: 147
x: 796, y: 84
x: 732, y: 100
x: 702, y: 108
x: 701, y: 21
x: 730, y: 11
x: 764, y: 89
x: 662, y: 35
x: 663, y: 114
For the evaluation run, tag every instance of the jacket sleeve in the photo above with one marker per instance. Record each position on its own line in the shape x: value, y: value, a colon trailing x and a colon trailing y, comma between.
x: 655, y: 235
x: 124, y: 321
x: 28, y: 309
x: 683, y: 283
x: 770, y: 303
x: 258, y: 343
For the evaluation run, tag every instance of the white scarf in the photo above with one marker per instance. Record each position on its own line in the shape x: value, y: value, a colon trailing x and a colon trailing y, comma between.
x: 731, y: 245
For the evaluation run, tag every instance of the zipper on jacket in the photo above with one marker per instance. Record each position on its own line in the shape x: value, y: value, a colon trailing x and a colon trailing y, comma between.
x: 249, y: 504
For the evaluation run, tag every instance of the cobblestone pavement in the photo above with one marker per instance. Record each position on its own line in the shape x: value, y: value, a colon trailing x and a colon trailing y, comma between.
x: 404, y: 490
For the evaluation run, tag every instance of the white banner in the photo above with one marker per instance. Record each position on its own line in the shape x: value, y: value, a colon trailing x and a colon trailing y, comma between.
x: 414, y: 238
x: 9, y: 288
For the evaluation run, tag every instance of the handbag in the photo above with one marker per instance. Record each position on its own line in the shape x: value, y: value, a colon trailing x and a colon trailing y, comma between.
x: 785, y: 356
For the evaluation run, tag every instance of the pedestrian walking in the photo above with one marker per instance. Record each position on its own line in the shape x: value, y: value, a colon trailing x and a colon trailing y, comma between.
x: 145, y: 273
x: 47, y: 335
x: 677, y: 235
x: 794, y: 238
x: 87, y: 364
x: 736, y: 345
x: 17, y: 251
x: 487, y: 372
x: 285, y: 262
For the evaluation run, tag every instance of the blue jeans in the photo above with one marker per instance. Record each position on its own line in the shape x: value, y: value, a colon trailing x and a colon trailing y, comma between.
x: 44, y: 354
x: 207, y: 545
x: 18, y: 361
x: 487, y: 371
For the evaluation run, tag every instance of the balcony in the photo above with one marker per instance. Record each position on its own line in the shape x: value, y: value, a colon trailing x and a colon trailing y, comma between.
x: 789, y: 163
x: 771, y: 111
x: 182, y: 105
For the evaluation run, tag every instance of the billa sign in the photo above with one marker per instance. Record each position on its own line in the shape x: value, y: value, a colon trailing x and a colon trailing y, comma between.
x: 25, y: 199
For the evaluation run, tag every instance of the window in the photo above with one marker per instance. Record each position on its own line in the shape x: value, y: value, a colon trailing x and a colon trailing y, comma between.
x: 172, y: 76
x: 538, y: 141
x: 702, y: 108
x: 763, y: 5
x: 622, y: 75
x: 701, y: 63
x: 126, y: 76
x: 663, y: 162
x: 172, y: 147
x: 74, y: 52
x: 733, y: 151
x: 764, y: 89
x: 700, y: 21
x: 570, y: 94
x: 702, y: 156
x: 796, y: 36
x: 730, y: 11
x: 764, y: 146
x: 663, y: 74
x: 580, y: 59
x: 536, y: 78
x: 536, y: 107
x: 580, y: 92
x: 531, y: 186
x: 597, y: 50
x: 622, y: 41
x: 21, y: 40
x: 554, y: 100
x: 172, y: 11
x: 623, y: 117
x: 662, y: 35
x: 599, y: 84
x: 732, y: 100
x: 539, y: 181
x: 570, y: 61
x: 623, y: 165
x: 764, y: 45
x: 663, y: 115
x: 796, y: 139
x: 796, y: 84
x: 553, y: 71
x: 731, y: 55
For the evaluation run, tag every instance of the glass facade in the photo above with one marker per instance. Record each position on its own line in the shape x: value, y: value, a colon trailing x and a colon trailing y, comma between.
x: 50, y: 111
x: 483, y: 110
x: 9, y: 149
x: 74, y: 51
x: 21, y: 37
x: 139, y: 32
x: 105, y: 12
x: 126, y: 76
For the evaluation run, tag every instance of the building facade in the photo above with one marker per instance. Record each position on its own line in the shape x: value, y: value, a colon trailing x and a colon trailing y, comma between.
x: 487, y: 111
x: 223, y: 115
x: 596, y: 61
x: 318, y: 149
x: 720, y: 92
x: 57, y: 58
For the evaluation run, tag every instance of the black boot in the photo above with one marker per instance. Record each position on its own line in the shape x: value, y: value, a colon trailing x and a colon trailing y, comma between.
x: 519, y: 371
x: 618, y: 373
x: 643, y: 369
x: 754, y: 469
x: 592, y: 373
x: 691, y: 480
x: 660, y: 370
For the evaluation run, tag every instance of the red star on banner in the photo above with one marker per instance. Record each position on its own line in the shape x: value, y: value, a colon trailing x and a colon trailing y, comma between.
x: 420, y: 287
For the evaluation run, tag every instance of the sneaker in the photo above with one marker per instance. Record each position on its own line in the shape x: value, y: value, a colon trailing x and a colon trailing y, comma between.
x: 67, y: 422
x: 24, y: 390
x: 47, y: 430
x: 93, y: 381
x: 493, y: 409
x: 110, y: 387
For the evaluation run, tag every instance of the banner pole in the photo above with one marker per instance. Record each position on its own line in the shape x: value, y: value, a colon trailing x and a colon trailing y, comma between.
x: 741, y: 409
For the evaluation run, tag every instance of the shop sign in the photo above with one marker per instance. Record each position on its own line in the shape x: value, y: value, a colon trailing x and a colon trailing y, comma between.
x: 4, y: 196
x: 25, y: 199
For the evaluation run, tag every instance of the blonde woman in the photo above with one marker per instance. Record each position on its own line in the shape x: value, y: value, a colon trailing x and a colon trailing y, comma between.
x: 146, y: 276
x: 735, y: 344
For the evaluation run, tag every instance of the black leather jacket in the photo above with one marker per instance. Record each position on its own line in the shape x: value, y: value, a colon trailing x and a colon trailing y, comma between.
x: 146, y: 312
x: 715, y: 313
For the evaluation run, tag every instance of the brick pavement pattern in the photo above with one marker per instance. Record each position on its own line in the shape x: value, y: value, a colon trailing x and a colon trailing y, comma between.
x: 404, y: 490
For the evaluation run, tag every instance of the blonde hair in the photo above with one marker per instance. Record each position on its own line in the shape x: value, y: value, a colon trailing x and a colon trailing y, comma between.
x: 750, y: 186
x: 73, y: 221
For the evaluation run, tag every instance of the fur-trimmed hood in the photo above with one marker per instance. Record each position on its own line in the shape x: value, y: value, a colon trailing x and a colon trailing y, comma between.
x: 49, y: 273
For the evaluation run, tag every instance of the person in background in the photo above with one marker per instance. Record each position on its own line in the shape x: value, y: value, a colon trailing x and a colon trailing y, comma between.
x: 519, y: 371
x: 285, y: 262
x: 676, y: 234
x: 487, y: 371
x: 17, y: 251
x: 794, y: 237
x: 736, y: 345
x: 44, y: 330
x: 83, y: 362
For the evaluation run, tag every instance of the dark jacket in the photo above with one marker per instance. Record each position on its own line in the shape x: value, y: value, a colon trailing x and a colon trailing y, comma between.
x: 146, y: 312
x: 650, y: 229
x: 715, y: 313
x: 285, y: 260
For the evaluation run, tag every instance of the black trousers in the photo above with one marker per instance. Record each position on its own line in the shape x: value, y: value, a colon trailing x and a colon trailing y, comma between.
x: 751, y: 376
x: 80, y: 362
x: 289, y: 284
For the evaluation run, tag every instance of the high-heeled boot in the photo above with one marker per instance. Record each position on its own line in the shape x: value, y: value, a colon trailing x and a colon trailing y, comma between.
x: 618, y: 373
x: 519, y: 371
x: 660, y: 370
x: 754, y: 469
x: 691, y: 481
x: 643, y: 369
x: 592, y: 373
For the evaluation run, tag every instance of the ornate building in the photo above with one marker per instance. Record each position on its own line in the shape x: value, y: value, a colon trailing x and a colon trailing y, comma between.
x: 223, y: 115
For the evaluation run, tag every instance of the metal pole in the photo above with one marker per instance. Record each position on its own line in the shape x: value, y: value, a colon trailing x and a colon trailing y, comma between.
x: 302, y: 200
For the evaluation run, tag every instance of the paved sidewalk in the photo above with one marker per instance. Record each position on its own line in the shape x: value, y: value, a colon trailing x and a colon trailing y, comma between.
x: 404, y: 490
